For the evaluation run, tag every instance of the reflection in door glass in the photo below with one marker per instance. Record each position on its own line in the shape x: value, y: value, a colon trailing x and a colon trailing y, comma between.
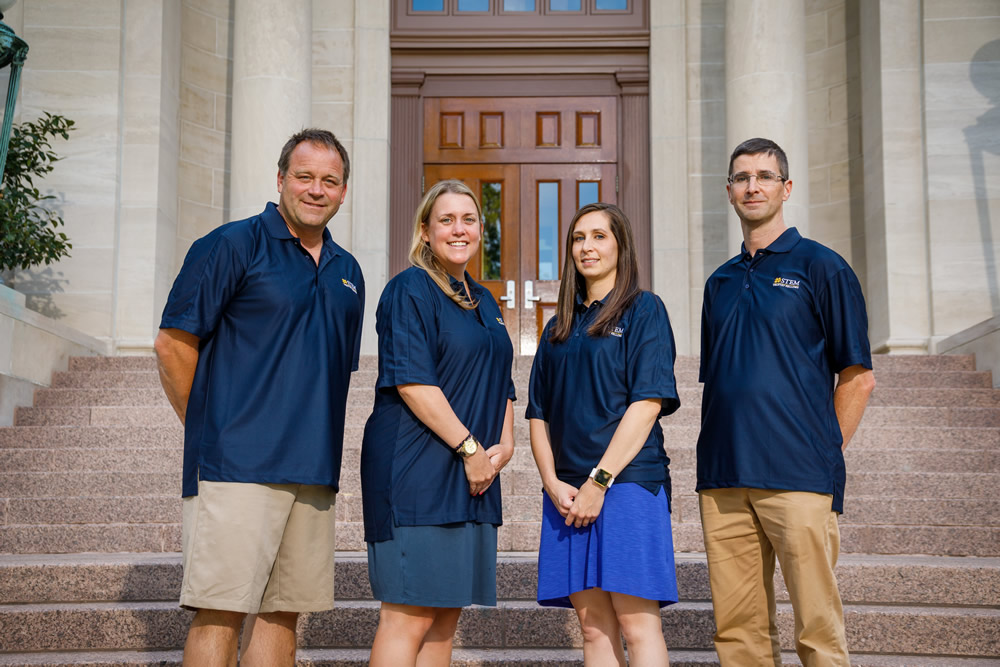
x: 428, y: 5
x: 473, y: 5
x: 564, y: 5
x: 612, y: 4
x: 519, y: 5
x: 492, y: 202
x: 587, y: 192
x: 548, y: 231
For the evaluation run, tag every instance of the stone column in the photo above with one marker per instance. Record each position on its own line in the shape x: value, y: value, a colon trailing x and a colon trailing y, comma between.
x: 370, y: 158
x: 898, y: 288
x: 272, y: 75
x: 766, y: 92
x: 668, y: 170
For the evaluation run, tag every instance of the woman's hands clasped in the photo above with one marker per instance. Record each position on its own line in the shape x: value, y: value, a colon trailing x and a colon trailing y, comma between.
x: 580, y: 507
x: 479, y: 471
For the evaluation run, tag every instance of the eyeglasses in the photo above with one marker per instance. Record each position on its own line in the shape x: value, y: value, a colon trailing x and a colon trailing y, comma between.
x: 764, y: 179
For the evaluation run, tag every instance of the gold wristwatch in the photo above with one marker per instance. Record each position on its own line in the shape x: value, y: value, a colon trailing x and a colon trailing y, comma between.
x: 468, y: 447
x: 602, y: 478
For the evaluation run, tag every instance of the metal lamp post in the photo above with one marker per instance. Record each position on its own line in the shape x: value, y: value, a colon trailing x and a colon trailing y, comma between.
x: 13, y: 52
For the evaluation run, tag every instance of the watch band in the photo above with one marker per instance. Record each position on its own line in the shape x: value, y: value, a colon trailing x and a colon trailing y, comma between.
x: 602, y: 478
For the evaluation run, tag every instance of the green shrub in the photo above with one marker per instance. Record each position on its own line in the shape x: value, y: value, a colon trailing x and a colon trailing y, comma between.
x: 28, y: 223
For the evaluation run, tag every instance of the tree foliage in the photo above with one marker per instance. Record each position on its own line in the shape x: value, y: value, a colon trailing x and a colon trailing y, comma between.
x: 29, y: 224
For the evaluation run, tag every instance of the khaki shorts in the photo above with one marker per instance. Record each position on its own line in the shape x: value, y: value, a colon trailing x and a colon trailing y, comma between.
x: 258, y: 548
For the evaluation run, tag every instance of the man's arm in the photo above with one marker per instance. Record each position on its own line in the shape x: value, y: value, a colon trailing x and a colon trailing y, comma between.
x: 854, y: 386
x: 177, y: 358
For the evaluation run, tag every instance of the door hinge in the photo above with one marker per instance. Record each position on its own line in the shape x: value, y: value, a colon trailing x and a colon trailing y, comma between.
x: 422, y: 186
x: 616, y: 183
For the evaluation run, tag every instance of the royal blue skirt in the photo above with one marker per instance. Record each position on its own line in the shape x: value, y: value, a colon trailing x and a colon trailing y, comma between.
x: 629, y: 549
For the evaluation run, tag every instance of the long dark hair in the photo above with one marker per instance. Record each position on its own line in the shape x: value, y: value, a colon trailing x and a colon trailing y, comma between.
x: 620, y: 297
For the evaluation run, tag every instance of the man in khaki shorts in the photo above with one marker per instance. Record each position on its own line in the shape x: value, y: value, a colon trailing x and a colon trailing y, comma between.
x: 256, y: 346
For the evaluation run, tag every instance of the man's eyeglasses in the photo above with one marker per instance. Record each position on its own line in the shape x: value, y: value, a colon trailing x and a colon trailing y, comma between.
x: 764, y: 179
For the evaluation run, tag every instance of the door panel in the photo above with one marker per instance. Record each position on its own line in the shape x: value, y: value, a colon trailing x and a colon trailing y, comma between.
x: 520, y: 129
x: 496, y: 262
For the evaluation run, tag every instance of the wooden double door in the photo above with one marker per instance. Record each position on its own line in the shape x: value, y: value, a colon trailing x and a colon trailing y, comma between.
x: 532, y: 162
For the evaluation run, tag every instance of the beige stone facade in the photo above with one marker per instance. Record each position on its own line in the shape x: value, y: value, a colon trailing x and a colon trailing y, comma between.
x: 890, y: 111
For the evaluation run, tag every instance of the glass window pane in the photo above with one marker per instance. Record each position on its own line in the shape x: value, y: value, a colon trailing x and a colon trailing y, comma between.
x: 492, y: 203
x: 564, y: 5
x: 548, y: 231
x: 612, y: 4
x: 473, y: 5
x: 519, y: 5
x: 587, y: 192
x: 428, y: 5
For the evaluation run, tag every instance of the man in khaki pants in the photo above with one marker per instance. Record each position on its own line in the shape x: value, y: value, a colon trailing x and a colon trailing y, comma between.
x: 257, y: 342
x: 780, y: 321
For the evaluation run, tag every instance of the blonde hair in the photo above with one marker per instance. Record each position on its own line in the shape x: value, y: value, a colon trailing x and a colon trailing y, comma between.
x: 420, y: 251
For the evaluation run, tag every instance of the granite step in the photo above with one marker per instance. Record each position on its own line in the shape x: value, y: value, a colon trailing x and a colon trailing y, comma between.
x: 881, y: 362
x: 687, y: 415
x: 461, y: 657
x: 969, y: 632
x: 361, y: 397
x: 168, y: 459
x: 863, y: 579
x: 92, y: 437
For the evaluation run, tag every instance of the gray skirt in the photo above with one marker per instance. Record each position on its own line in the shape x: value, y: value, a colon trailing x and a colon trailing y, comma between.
x: 454, y: 565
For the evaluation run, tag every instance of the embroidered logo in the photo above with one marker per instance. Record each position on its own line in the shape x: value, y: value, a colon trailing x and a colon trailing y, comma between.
x: 785, y: 282
x: 618, y: 331
x: 348, y: 283
x: 500, y: 321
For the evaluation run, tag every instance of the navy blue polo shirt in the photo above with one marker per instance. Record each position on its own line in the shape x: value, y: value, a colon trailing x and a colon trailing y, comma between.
x: 583, y: 386
x: 410, y: 476
x: 775, y: 330
x: 279, y: 339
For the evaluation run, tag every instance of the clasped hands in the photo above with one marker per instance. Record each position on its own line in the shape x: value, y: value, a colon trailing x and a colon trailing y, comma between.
x: 580, y: 507
x: 485, y: 465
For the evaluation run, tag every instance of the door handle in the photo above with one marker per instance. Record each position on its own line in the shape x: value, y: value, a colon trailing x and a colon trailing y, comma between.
x: 529, y: 295
x: 509, y: 296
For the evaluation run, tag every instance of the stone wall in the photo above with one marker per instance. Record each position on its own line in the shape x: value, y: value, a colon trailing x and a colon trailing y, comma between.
x: 962, y: 100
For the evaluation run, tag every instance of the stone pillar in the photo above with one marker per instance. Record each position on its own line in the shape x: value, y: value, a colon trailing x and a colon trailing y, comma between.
x: 370, y: 158
x: 668, y: 170
x: 149, y: 146
x: 272, y: 90
x: 898, y: 288
x: 766, y: 92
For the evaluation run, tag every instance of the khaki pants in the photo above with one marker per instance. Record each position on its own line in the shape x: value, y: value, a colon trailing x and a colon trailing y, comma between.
x: 744, y: 530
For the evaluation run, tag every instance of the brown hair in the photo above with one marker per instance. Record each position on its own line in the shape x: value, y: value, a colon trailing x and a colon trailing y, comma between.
x: 420, y: 251
x: 315, y: 136
x: 756, y: 146
x: 620, y: 297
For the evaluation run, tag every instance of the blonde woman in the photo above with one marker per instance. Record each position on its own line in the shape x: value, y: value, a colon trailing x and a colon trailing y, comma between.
x: 439, y: 434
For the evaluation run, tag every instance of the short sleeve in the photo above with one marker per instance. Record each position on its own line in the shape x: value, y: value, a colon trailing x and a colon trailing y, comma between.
x: 207, y: 281
x: 407, y: 343
x: 360, y: 284
x: 537, y: 385
x: 844, y: 319
x: 649, y: 354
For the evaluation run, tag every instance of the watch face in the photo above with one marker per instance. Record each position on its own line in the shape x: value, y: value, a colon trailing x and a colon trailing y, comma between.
x: 602, y: 477
x: 469, y: 447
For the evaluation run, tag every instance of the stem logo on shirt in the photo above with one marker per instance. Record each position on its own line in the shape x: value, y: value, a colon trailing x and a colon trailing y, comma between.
x: 500, y: 321
x: 618, y: 331
x: 785, y: 282
x: 348, y: 283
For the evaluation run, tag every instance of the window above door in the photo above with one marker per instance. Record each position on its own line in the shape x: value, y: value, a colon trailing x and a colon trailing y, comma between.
x: 414, y: 21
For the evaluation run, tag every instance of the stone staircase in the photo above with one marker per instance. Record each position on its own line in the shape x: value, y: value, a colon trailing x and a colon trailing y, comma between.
x: 90, y: 527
